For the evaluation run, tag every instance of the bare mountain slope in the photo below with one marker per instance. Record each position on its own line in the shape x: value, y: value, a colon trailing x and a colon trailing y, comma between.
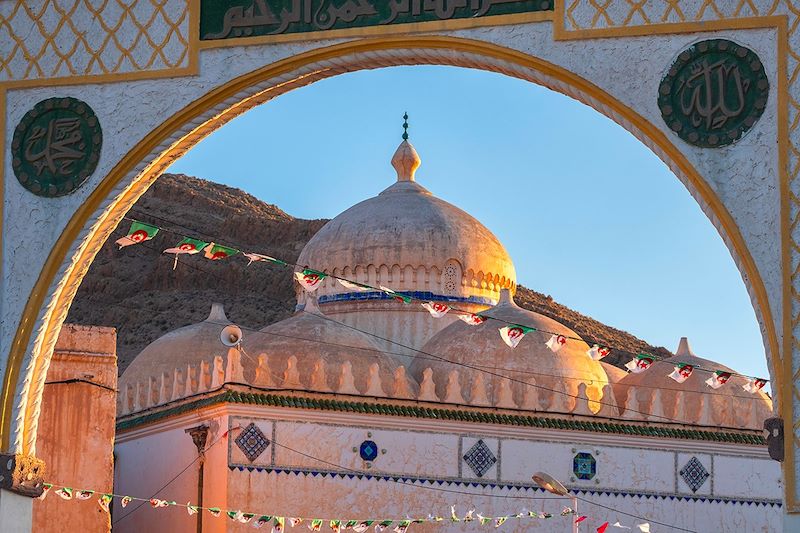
x: 136, y: 290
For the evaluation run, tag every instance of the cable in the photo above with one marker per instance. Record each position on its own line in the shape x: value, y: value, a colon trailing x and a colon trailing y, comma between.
x: 590, y: 502
x: 79, y: 380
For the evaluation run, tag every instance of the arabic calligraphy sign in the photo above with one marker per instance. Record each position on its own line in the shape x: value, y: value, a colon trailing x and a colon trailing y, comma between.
x: 56, y: 146
x: 713, y: 93
x: 225, y: 19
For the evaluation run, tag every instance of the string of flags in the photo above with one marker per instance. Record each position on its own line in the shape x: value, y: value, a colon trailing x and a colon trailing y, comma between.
x: 279, y: 523
x: 511, y: 334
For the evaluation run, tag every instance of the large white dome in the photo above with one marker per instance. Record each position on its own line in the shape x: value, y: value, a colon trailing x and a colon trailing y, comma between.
x: 407, y: 239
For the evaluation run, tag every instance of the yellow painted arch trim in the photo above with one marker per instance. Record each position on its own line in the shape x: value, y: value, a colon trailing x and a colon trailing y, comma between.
x: 174, y: 123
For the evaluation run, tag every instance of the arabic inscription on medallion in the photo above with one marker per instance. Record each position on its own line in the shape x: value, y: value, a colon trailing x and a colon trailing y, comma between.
x: 226, y: 19
x: 713, y: 93
x: 56, y: 146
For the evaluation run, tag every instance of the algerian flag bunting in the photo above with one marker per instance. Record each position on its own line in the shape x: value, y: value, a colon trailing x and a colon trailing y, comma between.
x: 186, y: 246
x: 472, y: 319
x: 83, y: 494
x: 310, y: 279
x: 556, y: 342
x: 262, y: 521
x: 245, y: 518
x: 104, y: 501
x: 279, y: 524
x: 215, y: 252
x: 436, y: 310
x: 155, y: 502
x: 453, y: 516
x: 294, y: 522
x: 499, y: 521
x: 353, y: 286
x: 484, y: 519
x: 597, y: 352
x: 383, y: 525
x: 400, y: 297
x: 402, y: 526
x: 315, y: 525
x: 640, y: 363
x: 336, y: 525
x: 718, y: 379
x: 258, y: 258
x: 138, y: 233
x: 215, y: 511
x: 361, y: 527
x: 754, y: 385
x: 681, y: 372
x: 46, y: 488
x: 65, y: 493
x: 192, y: 509
x: 125, y: 501
x: 513, y: 334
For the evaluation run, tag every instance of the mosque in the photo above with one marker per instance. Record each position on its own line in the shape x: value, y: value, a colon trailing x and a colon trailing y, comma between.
x: 360, y: 406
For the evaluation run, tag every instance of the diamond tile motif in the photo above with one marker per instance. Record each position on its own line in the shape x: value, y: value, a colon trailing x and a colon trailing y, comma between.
x: 584, y: 466
x: 480, y: 458
x: 694, y: 474
x: 368, y: 450
x: 252, y: 442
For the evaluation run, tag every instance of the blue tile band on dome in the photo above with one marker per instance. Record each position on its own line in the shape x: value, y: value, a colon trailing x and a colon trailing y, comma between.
x: 417, y: 295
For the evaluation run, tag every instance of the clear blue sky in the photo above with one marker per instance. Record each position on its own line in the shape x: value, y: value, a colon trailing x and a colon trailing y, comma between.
x: 588, y: 213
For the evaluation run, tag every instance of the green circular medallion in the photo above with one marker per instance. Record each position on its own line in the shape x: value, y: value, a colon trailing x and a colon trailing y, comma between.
x: 56, y: 146
x: 713, y: 93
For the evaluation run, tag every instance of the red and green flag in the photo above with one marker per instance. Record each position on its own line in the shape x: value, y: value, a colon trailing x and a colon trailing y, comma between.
x: 402, y: 526
x: 310, y: 279
x: 681, y: 372
x: 262, y: 521
x: 138, y: 233
x: 215, y: 252
x: 640, y: 363
x: 125, y: 501
x: 597, y: 352
x: 83, y: 494
x: 754, y: 385
x: 718, y: 379
x: 382, y: 525
x: 361, y: 527
x: 259, y: 258
x: 399, y: 296
x: 65, y: 493
x: 335, y: 525
x: 104, y: 501
x: 512, y: 334
x: 45, y: 489
x: 315, y: 525
x: 186, y: 246
x: 353, y: 286
x: 192, y: 509
x: 472, y: 319
x: 437, y: 310
x: 556, y: 342
x: 294, y: 522
x: 215, y: 511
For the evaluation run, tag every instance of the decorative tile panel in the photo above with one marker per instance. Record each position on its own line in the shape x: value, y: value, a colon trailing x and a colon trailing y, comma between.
x: 694, y: 474
x: 69, y: 38
x: 584, y: 466
x: 480, y: 458
x: 252, y: 442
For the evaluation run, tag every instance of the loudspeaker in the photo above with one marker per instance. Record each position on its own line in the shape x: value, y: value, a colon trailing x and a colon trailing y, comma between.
x: 231, y: 336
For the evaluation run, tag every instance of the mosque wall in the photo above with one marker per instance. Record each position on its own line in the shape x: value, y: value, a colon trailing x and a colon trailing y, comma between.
x: 294, y: 462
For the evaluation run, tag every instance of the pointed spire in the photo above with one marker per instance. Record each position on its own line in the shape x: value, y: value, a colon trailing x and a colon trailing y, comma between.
x: 405, y: 159
x: 684, y: 348
x: 217, y: 313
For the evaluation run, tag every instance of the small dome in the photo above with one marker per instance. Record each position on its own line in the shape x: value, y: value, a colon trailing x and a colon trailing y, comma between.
x: 614, y: 373
x: 407, y: 239
x: 482, y: 346
x: 179, y: 348
x: 310, y: 337
x: 730, y: 405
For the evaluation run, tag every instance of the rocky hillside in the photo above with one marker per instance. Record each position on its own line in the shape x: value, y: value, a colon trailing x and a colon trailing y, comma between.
x: 136, y: 290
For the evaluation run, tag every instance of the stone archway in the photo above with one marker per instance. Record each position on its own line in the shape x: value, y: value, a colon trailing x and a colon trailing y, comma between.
x: 39, y: 306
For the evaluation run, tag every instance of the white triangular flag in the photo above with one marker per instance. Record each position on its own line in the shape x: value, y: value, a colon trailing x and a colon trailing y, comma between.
x: 617, y: 524
x: 472, y: 319
x: 511, y: 335
x: 644, y: 528
x: 754, y: 385
x: 353, y: 286
x: 597, y: 352
x: 556, y: 342
x: 681, y: 372
x: 436, y: 310
x: 718, y: 379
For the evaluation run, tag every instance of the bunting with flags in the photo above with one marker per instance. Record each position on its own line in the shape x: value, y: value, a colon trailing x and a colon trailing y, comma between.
x: 139, y: 232
x: 259, y: 258
x: 512, y: 334
x: 215, y: 252
x: 597, y: 352
x: 472, y: 319
x: 718, y: 379
x: 310, y: 279
x: 681, y: 372
x: 754, y: 385
x: 437, y: 310
x: 640, y: 363
x: 556, y: 342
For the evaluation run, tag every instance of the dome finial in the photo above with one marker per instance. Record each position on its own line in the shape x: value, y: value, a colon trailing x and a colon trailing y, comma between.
x: 405, y: 159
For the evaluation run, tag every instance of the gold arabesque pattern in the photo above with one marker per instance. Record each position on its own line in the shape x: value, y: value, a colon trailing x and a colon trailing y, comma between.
x: 50, y: 39
x: 609, y: 17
